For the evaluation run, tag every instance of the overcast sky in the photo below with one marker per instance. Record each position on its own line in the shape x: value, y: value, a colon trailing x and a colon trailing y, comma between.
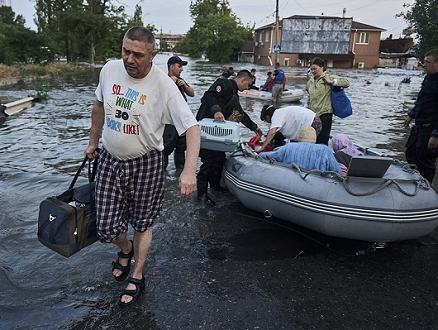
x: 172, y: 16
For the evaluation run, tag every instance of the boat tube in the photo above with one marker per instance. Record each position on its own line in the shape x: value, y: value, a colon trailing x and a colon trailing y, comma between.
x: 400, y: 205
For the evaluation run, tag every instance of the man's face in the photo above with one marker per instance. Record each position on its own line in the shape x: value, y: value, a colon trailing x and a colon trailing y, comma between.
x: 430, y: 66
x: 175, y: 69
x: 242, y: 83
x: 136, y: 58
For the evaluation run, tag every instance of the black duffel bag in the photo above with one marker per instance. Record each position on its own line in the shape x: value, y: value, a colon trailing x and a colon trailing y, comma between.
x: 67, y: 223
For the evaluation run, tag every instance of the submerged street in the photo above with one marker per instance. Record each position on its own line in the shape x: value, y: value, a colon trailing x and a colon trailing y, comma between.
x: 222, y: 267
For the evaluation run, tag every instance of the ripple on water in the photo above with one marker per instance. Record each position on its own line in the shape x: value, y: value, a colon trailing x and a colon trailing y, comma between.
x: 43, y: 146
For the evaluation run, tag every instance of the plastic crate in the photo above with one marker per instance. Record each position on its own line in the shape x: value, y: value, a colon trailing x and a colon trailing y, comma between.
x: 219, y: 136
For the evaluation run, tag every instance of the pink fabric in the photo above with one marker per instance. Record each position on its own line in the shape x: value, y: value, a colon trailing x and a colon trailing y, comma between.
x: 341, y: 142
x: 344, y: 169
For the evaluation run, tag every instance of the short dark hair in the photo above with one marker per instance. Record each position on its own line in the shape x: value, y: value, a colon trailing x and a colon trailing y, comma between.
x: 434, y: 54
x: 318, y: 61
x: 244, y: 74
x: 270, y: 72
x: 142, y: 34
x: 268, y: 110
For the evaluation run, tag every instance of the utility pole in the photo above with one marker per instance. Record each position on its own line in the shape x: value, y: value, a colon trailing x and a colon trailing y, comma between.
x: 276, y: 32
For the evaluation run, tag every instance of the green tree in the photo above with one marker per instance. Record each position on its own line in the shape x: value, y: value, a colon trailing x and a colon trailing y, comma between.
x: 110, y: 39
x: 138, y: 21
x: 422, y: 16
x: 7, y: 16
x: 19, y: 44
x: 217, y: 31
x: 82, y: 28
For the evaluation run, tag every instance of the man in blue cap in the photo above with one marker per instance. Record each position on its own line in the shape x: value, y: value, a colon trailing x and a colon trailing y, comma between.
x: 172, y: 141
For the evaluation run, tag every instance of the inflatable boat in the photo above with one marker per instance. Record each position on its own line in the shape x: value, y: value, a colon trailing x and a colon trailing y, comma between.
x: 14, y: 107
x: 290, y: 95
x: 400, y: 205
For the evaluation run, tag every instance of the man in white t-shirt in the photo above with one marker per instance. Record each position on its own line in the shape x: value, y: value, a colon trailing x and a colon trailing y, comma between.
x: 134, y: 101
x: 287, y: 122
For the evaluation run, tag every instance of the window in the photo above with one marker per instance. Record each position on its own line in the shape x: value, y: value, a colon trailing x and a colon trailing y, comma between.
x: 362, y: 38
x: 267, y: 37
x: 261, y: 37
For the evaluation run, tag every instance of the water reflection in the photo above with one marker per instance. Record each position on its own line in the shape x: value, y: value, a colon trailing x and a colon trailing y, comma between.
x: 209, y: 268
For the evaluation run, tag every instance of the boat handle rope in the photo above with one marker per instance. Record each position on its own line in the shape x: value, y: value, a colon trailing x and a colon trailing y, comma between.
x: 423, y: 183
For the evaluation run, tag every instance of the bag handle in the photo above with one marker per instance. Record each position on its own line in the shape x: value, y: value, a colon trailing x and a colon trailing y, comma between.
x: 91, y: 173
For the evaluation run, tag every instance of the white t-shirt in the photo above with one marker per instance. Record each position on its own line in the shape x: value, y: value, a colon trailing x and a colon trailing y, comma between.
x: 290, y: 120
x: 136, y: 110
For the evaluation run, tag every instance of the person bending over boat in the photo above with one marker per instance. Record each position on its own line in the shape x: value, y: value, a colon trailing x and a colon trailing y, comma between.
x: 221, y: 101
x: 305, y: 155
x: 344, y: 149
x: 422, y: 144
x: 286, y: 123
x: 319, y: 89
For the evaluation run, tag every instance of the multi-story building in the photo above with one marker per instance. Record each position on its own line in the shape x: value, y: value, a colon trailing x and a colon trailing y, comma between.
x: 339, y: 41
x: 166, y: 42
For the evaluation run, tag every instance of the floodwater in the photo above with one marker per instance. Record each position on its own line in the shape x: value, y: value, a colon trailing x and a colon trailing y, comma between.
x: 209, y: 268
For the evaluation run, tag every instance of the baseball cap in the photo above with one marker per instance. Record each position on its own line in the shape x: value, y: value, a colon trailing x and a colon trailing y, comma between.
x: 176, y: 59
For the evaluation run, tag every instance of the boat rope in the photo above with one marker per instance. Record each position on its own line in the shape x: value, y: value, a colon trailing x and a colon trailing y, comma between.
x: 421, y: 183
x: 267, y: 218
x: 372, y: 248
x: 409, y: 168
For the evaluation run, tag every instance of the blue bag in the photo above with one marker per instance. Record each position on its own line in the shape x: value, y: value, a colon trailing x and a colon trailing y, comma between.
x: 340, y: 102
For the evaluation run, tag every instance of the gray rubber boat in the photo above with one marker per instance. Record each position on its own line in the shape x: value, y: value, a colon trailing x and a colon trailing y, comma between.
x: 398, y: 206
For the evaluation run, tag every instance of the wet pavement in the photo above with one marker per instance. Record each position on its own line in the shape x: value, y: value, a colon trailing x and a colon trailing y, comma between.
x: 224, y: 267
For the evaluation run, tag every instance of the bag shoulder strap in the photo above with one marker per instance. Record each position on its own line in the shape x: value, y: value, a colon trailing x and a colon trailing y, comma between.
x: 91, y: 173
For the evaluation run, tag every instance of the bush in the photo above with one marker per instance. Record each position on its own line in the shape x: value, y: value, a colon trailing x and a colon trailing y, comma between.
x: 36, y: 70
x: 7, y: 72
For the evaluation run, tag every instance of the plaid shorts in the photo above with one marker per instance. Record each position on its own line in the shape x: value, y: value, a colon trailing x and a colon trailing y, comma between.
x: 128, y: 192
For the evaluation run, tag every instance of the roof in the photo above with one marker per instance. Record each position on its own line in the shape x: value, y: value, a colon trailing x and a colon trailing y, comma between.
x: 363, y: 26
x: 354, y: 26
x: 401, y: 45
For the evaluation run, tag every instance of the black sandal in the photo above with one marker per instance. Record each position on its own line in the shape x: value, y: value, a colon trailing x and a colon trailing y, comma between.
x: 135, y: 294
x: 124, y: 269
